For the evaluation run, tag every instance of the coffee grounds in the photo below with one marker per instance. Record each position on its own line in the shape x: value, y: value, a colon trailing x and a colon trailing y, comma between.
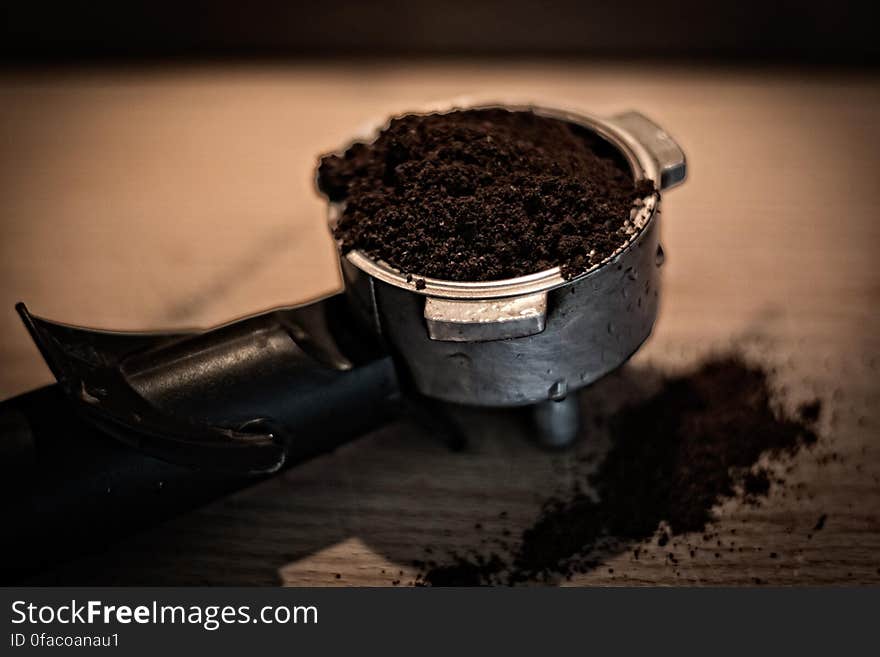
x: 481, y: 195
x: 673, y: 458
x: 756, y: 485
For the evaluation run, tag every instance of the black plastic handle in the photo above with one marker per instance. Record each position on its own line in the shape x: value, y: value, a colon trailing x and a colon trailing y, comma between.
x: 67, y: 489
x: 200, y: 415
x: 241, y: 398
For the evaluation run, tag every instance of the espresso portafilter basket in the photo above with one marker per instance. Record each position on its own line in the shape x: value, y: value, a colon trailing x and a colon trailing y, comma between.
x: 142, y: 425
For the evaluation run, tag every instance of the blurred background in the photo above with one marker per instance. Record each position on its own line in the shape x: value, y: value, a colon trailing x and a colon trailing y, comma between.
x: 745, y: 30
x: 156, y: 170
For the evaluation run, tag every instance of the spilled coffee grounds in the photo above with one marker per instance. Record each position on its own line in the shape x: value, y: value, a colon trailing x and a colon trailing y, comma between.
x: 480, y: 195
x: 673, y: 458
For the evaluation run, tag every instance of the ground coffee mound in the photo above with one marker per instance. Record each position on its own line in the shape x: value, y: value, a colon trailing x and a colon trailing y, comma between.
x: 482, y: 195
x: 674, y: 456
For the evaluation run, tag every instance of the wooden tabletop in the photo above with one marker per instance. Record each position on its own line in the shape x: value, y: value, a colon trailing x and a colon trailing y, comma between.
x: 178, y: 197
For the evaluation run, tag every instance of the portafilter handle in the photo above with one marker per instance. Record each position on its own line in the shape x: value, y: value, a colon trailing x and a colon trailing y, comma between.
x: 242, y: 398
x: 193, y: 416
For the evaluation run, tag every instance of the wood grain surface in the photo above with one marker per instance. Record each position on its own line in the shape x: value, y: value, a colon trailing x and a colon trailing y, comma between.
x: 163, y: 197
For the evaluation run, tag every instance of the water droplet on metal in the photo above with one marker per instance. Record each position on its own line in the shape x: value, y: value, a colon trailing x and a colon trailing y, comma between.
x: 660, y: 257
x: 558, y: 390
